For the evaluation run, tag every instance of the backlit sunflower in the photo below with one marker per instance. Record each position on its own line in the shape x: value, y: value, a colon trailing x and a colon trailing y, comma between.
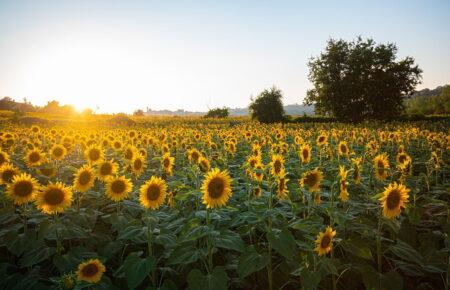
x: 167, y: 163
x: 22, y: 189
x: 58, y: 152
x: 324, y: 241
x: 91, y: 271
x: 216, y: 188
x: 276, y: 165
x: 4, y: 157
x: 312, y: 179
x: 94, y: 154
x: 153, y: 193
x: 7, y: 173
x: 343, y: 148
x: 35, y: 157
x: 381, y: 166
x: 106, y: 169
x: 305, y: 153
x: 393, y: 199
x: 343, y: 194
x: 84, y: 179
x: 118, y: 188
x: 54, y: 198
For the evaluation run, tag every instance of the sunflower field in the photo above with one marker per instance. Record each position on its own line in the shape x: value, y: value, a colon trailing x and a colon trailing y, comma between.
x: 225, y: 205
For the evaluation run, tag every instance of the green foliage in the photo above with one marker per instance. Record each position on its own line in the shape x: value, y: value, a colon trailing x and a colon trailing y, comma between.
x: 267, y: 107
x: 361, y: 79
x: 217, y: 113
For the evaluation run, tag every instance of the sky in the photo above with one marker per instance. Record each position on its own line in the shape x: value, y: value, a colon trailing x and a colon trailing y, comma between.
x: 119, y: 56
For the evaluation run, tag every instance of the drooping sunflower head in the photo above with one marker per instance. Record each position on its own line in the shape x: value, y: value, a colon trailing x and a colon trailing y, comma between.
x: 277, y: 165
x: 312, y: 180
x: 118, y: 188
x: 7, y: 173
x: 35, y: 157
x: 394, y: 198
x: 381, y: 166
x: 216, y: 188
x: 305, y: 153
x: 84, y: 179
x: 91, y: 271
x: 106, y: 169
x: 153, y: 193
x: 22, y: 189
x: 324, y: 241
x: 94, y: 154
x: 343, y: 148
x: 54, y: 198
x: 58, y: 152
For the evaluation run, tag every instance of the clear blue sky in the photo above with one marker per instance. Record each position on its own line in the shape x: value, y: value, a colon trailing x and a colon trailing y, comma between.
x: 124, y: 55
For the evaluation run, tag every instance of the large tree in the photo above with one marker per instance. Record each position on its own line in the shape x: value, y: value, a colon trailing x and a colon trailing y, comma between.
x: 361, y: 79
x: 267, y: 107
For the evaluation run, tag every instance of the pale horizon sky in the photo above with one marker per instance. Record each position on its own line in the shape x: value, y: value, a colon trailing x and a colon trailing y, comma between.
x: 121, y: 56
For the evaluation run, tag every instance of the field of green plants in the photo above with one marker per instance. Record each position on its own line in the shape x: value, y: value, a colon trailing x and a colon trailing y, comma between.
x: 225, y: 205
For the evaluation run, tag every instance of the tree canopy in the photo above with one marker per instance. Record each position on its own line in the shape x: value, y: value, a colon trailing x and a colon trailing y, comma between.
x: 361, y: 79
x: 267, y: 107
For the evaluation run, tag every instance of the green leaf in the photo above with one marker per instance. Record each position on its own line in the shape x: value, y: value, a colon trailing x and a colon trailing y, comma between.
x: 251, y: 261
x: 229, y: 240
x: 137, y: 268
x: 217, y: 280
x: 284, y: 243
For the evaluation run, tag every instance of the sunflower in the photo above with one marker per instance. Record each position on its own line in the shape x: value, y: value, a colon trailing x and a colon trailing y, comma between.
x: 106, y: 169
x: 343, y: 148
x: 138, y: 165
x: 167, y: 163
x: 91, y: 271
x: 153, y: 193
x: 93, y: 154
x: 282, y: 189
x: 324, y: 241
x: 22, y: 189
x: 277, y: 165
x: 381, y: 166
x: 58, y: 152
x: 393, y: 199
x: 194, y: 155
x: 7, y: 173
x: 305, y: 153
x: 216, y: 188
x: 54, y: 198
x: 322, y: 139
x: 35, y: 157
x: 312, y: 179
x: 117, y: 188
x: 84, y: 179
x: 343, y: 195
x: 4, y: 157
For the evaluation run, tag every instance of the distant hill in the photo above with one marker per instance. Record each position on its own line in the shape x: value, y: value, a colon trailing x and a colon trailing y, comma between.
x: 294, y: 110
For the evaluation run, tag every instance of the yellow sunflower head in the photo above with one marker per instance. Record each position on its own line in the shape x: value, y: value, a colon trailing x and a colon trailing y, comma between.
x: 94, y: 154
x: 312, y: 180
x: 153, y: 193
x: 91, y: 271
x: 118, y: 188
x: 84, y: 179
x: 106, y: 169
x: 7, y: 173
x: 216, y: 188
x: 393, y: 199
x: 324, y: 241
x: 22, y: 189
x: 54, y: 198
x: 35, y: 157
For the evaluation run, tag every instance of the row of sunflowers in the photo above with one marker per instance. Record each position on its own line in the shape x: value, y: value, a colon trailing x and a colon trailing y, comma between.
x: 240, y: 206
